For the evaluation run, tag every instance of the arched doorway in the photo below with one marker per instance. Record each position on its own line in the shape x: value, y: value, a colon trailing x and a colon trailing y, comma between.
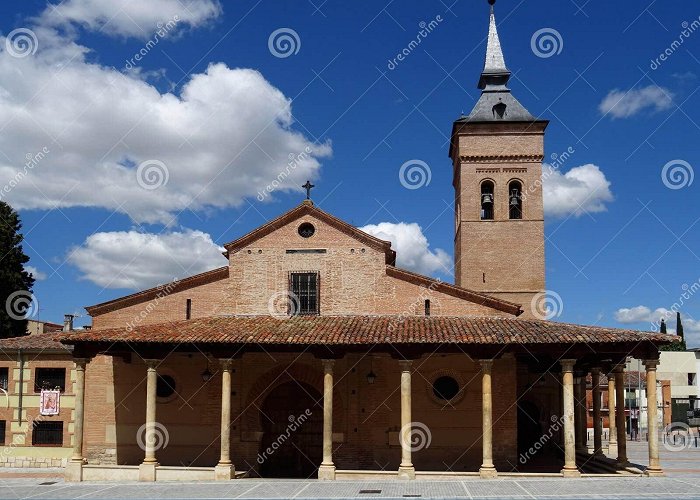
x: 292, y: 423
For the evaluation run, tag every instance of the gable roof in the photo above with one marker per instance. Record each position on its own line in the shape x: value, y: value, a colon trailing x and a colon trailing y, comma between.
x: 364, y: 330
x: 455, y: 291
x: 158, y: 291
x: 308, y: 208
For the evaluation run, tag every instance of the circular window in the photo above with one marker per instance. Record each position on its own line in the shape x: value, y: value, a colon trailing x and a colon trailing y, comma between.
x: 306, y: 230
x: 165, y: 387
x: 445, y: 388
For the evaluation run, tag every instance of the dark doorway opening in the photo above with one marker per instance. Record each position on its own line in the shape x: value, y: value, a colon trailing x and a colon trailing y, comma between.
x: 292, y: 422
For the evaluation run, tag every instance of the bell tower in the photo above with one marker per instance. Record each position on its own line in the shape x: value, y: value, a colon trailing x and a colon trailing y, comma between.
x: 497, y: 152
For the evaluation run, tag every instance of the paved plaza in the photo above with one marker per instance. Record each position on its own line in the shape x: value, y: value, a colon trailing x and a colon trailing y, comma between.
x: 682, y: 481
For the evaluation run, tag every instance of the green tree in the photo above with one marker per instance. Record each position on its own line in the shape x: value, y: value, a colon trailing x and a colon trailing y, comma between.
x: 16, y: 299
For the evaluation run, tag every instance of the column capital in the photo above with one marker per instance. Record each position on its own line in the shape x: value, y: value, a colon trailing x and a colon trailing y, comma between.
x: 80, y: 363
x: 619, y: 368
x: 651, y: 364
x: 567, y: 365
x: 486, y: 363
x: 405, y: 364
x: 152, y: 364
x: 226, y: 363
x: 328, y: 365
x: 596, y: 370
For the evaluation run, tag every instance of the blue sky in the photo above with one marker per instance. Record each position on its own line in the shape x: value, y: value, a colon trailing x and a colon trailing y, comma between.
x: 623, y: 258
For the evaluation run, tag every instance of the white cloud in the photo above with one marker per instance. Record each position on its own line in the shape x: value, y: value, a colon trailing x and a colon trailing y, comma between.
x: 582, y: 189
x: 38, y: 275
x: 134, y: 18
x: 226, y: 135
x: 142, y: 260
x: 412, y: 248
x: 642, y: 314
x: 624, y: 104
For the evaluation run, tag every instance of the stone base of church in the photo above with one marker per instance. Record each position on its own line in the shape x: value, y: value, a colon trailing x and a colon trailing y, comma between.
x: 224, y: 472
x: 407, y: 473
x: 74, y: 471
x: 147, y: 471
x: 326, y: 472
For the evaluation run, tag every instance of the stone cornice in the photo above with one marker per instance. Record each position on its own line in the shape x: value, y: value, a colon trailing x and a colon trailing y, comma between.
x: 502, y: 159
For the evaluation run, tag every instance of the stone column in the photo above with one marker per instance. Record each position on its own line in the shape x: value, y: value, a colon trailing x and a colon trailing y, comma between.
x: 487, y: 470
x: 74, y: 468
x: 612, y: 428
x: 622, y: 461
x: 406, y: 469
x: 597, y: 423
x: 147, y: 470
x: 567, y: 371
x: 583, y: 423
x: 224, y: 470
x: 654, y: 468
x: 327, y: 469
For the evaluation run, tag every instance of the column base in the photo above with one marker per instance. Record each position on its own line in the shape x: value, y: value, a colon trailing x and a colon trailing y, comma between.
x: 623, y: 464
x: 570, y: 472
x: 326, y: 472
x: 407, y: 472
x: 656, y: 472
x: 74, y: 471
x: 612, y: 450
x: 224, y: 472
x: 147, y: 471
x: 488, y: 473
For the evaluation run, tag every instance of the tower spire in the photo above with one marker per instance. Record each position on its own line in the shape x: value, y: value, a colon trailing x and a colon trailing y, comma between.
x: 495, y: 72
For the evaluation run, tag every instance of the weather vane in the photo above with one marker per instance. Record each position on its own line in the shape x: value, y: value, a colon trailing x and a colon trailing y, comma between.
x: 308, y: 186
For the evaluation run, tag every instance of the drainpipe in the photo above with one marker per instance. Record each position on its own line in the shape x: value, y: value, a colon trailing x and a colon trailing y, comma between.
x: 21, y: 385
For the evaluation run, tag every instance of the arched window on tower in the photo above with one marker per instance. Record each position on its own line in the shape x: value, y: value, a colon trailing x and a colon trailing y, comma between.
x: 515, y: 200
x: 487, y: 200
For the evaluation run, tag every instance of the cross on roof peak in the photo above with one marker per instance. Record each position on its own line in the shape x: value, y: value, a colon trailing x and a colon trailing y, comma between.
x: 308, y: 186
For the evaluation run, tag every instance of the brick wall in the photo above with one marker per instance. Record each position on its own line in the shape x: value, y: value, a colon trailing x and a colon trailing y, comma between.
x: 366, y: 416
x: 353, y: 280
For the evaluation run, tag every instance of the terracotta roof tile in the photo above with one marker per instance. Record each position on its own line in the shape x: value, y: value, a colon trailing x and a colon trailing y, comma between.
x: 364, y: 330
x: 35, y: 342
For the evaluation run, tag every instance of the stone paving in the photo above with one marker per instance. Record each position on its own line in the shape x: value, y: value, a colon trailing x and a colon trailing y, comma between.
x: 682, y: 468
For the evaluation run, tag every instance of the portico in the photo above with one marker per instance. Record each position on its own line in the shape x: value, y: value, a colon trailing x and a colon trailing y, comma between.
x: 402, y: 399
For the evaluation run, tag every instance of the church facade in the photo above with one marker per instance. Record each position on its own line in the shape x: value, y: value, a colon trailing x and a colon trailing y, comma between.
x: 312, y: 355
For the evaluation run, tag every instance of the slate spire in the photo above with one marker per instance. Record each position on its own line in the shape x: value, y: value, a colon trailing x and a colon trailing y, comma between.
x: 495, y: 71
